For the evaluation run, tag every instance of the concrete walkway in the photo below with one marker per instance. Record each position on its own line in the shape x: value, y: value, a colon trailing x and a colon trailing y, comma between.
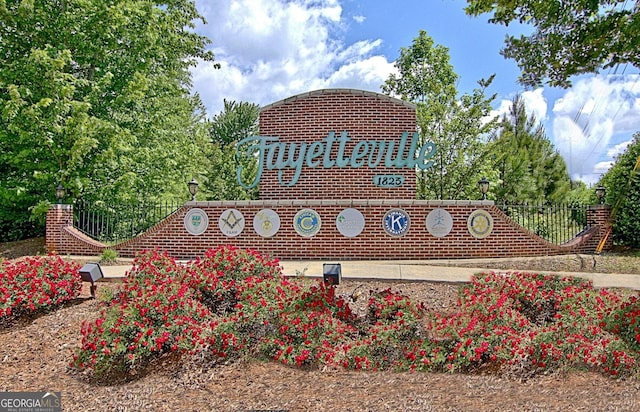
x: 431, y: 270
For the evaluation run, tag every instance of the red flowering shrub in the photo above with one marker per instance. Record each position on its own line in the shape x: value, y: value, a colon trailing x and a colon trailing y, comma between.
x: 37, y: 283
x: 533, y: 322
x: 625, y: 322
x: 155, y: 313
x: 233, y: 303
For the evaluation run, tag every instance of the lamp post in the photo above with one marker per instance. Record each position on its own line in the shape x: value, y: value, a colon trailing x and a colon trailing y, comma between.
x: 193, y: 189
x: 60, y: 192
x: 483, y: 185
x: 600, y: 192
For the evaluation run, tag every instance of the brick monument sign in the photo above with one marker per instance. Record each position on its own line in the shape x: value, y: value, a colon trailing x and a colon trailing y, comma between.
x: 337, y: 180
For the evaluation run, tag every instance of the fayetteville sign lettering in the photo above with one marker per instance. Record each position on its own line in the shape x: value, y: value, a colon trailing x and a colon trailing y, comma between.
x: 328, y: 153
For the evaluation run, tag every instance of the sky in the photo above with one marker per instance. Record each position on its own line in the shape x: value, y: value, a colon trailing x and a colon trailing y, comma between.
x: 273, y: 49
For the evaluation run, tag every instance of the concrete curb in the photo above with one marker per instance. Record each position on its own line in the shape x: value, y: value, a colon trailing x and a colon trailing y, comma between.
x: 410, y: 271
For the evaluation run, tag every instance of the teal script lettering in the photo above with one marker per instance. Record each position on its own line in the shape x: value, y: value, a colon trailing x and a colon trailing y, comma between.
x: 330, y: 152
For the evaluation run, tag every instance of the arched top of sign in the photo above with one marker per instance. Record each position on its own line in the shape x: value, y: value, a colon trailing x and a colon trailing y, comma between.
x: 231, y: 222
x: 196, y: 221
x: 480, y: 223
x: 350, y: 222
x: 439, y: 222
x: 266, y: 223
x: 327, y: 92
x: 307, y: 222
x: 396, y: 222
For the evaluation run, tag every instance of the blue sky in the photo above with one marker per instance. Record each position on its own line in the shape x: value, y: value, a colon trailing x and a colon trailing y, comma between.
x: 273, y: 49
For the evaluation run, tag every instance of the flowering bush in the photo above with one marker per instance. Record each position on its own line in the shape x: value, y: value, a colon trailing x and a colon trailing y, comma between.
x: 625, y: 322
x: 533, y: 322
x: 37, y: 283
x: 236, y: 304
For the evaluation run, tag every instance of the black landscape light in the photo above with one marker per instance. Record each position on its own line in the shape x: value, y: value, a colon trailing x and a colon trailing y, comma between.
x: 91, y: 272
x: 600, y: 192
x: 332, y: 273
x: 193, y: 189
x: 60, y: 192
x: 483, y: 185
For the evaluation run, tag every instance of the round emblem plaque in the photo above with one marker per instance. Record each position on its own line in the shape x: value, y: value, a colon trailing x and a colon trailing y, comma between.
x: 196, y: 221
x: 480, y: 224
x: 439, y: 222
x: 396, y: 222
x: 350, y: 222
x: 266, y: 223
x: 231, y: 222
x: 307, y: 222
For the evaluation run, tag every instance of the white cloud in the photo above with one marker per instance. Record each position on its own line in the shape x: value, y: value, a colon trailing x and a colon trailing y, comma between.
x: 359, y: 19
x: 272, y: 49
x: 618, y: 149
x: 589, y: 116
x: 534, y: 102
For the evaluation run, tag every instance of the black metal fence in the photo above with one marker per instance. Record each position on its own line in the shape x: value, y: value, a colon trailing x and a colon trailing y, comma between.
x: 557, y: 223
x: 116, y: 222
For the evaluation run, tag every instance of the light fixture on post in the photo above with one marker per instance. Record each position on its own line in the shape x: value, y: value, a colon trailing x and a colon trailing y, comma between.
x: 60, y: 192
x: 600, y: 192
x: 91, y: 272
x: 483, y: 185
x: 193, y: 189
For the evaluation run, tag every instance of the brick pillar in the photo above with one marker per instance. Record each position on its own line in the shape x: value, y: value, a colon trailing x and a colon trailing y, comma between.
x: 598, y: 216
x: 58, y: 217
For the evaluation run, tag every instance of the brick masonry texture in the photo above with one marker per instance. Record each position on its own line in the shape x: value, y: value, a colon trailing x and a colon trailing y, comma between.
x: 506, y: 239
x: 311, y: 117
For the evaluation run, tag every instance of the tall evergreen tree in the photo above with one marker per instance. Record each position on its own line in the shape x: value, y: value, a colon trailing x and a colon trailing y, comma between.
x: 529, y: 169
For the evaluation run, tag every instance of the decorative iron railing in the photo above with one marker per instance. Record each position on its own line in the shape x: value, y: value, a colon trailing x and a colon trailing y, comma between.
x: 116, y: 222
x: 557, y: 223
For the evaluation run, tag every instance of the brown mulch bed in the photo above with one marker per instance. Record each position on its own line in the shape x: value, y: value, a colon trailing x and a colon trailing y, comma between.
x: 35, y: 354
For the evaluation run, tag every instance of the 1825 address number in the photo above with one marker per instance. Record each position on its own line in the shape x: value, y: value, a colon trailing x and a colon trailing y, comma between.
x: 388, y: 180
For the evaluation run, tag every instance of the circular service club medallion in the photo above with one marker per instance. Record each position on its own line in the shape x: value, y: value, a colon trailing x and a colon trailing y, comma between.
x: 266, y: 223
x: 307, y: 222
x: 396, y: 222
x: 350, y: 222
x: 439, y: 222
x: 480, y: 224
x: 196, y: 221
x: 231, y: 222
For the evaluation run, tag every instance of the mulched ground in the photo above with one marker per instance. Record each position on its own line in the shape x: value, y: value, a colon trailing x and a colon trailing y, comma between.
x: 35, y: 353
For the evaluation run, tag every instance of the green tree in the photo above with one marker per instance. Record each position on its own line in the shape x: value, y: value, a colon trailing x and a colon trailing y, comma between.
x: 622, y: 182
x: 95, y: 95
x: 455, y: 124
x: 569, y: 38
x: 529, y: 169
x: 237, y: 121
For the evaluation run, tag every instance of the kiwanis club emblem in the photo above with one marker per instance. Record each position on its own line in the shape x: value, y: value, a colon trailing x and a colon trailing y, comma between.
x: 396, y: 222
x: 196, y: 221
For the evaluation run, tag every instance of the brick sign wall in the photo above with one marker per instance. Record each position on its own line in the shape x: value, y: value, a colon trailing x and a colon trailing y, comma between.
x: 311, y: 117
x: 312, y: 212
x: 506, y: 238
